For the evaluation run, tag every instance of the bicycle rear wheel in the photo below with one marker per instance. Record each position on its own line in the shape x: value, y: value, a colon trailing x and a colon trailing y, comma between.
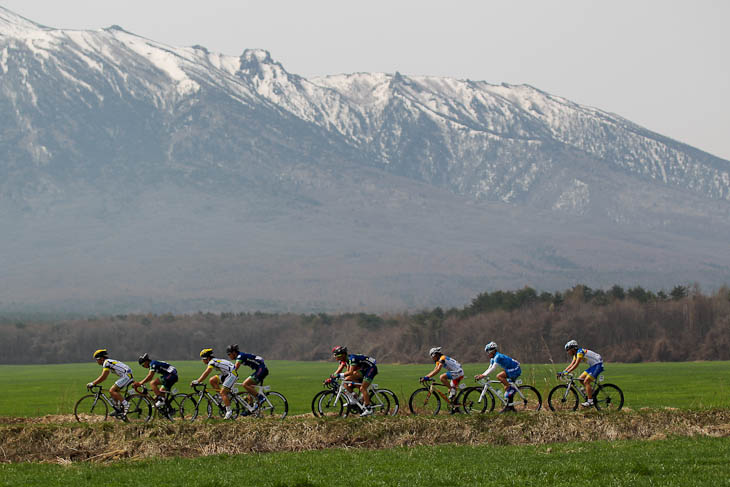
x: 275, y: 406
x: 423, y: 401
x: 140, y: 408
x: 471, y: 400
x: 563, y: 398
x: 608, y: 397
x: 394, y: 404
x: 329, y: 407
x: 172, y: 410
x: 532, y: 400
x: 89, y: 409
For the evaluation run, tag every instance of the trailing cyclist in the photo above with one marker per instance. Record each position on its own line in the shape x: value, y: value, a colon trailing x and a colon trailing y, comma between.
x: 595, y: 367
x: 168, y: 377
x: 125, y: 377
x: 256, y: 362
x: 359, y: 367
x: 511, y: 371
x: 222, y: 383
x: 454, y: 372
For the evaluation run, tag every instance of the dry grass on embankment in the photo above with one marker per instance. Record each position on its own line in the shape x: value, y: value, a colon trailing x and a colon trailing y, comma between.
x: 54, y: 439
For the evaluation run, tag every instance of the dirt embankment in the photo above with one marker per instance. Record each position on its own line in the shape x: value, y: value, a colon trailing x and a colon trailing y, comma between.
x: 56, y: 439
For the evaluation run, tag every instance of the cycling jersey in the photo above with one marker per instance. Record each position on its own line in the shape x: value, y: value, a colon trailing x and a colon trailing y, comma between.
x: 224, y: 366
x: 590, y: 356
x: 119, y: 368
x: 162, y: 368
x: 361, y: 361
x: 253, y: 361
x: 451, y: 364
x: 506, y: 362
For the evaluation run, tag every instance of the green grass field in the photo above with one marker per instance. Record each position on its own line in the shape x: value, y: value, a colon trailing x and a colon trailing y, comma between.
x: 676, y: 462
x: 35, y: 390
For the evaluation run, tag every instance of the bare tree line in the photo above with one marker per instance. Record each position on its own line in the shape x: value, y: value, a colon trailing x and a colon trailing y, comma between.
x: 687, y: 327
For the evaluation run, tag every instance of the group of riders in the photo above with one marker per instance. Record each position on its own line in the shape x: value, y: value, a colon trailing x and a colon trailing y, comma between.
x: 354, y: 368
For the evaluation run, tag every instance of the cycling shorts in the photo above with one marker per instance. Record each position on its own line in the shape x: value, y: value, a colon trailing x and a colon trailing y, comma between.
x: 514, y: 373
x: 594, y: 370
x: 168, y: 381
x: 228, y: 380
x: 456, y: 375
x: 369, y: 373
x: 124, y: 380
x: 259, y: 375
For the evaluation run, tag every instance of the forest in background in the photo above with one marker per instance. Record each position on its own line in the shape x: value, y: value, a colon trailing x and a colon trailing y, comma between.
x: 624, y: 325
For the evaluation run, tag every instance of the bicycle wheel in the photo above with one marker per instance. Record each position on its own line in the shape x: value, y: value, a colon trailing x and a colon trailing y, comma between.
x: 172, y: 410
x: 532, y: 400
x: 329, y: 407
x: 380, y: 403
x: 392, y: 400
x: 89, y: 409
x: 315, y: 402
x: 216, y: 409
x: 563, y: 398
x: 608, y: 397
x: 275, y: 406
x: 189, y: 408
x: 140, y: 408
x: 422, y: 401
x: 471, y: 400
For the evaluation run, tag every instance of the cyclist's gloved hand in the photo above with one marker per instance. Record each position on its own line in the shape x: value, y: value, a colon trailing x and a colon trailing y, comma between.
x: 89, y: 385
x: 328, y: 381
x: 560, y: 374
x: 425, y: 379
x: 194, y: 383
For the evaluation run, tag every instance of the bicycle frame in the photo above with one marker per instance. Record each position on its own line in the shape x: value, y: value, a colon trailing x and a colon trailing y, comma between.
x: 237, y: 396
x: 341, y: 389
x: 432, y: 384
x: 571, y: 380
x: 495, y: 392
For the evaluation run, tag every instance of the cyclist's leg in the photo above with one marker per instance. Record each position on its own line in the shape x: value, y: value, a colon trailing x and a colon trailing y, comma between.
x: 228, y: 382
x: 445, y: 378
x: 215, y: 383
x: 367, y: 379
x: 155, y: 384
x: 115, y: 390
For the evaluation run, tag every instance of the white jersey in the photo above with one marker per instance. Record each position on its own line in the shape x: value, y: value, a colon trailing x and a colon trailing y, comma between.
x: 590, y: 356
x: 119, y: 368
x: 224, y: 366
x: 450, y: 364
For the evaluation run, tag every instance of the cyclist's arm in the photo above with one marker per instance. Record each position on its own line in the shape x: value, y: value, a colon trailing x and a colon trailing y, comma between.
x: 339, y: 369
x: 435, y: 370
x: 147, y: 378
x: 573, y: 365
x: 102, y: 377
x: 237, y: 365
x: 205, y: 374
x: 488, y: 371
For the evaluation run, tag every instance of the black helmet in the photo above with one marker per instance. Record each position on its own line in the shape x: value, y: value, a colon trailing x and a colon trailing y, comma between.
x: 232, y: 348
x: 102, y: 353
x: 143, y: 358
x: 206, y: 353
x: 339, y: 351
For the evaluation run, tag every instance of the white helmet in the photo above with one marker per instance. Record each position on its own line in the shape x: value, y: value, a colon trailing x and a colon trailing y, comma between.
x: 571, y: 344
x: 434, y: 351
x: 490, y: 346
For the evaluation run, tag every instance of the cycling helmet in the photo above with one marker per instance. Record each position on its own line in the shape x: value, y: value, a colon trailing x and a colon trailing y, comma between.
x: 490, y: 346
x: 571, y: 344
x: 434, y: 351
x: 206, y: 353
x: 232, y: 348
x: 143, y: 358
x: 102, y: 353
x: 339, y: 351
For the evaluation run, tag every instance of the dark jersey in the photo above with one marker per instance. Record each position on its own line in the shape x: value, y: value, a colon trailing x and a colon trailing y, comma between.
x: 253, y: 361
x: 361, y: 361
x: 162, y: 368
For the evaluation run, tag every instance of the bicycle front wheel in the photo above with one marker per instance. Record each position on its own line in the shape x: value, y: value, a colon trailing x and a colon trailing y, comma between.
x: 140, y: 408
x: 275, y: 406
x: 423, y: 401
x: 90, y: 409
x: 315, y: 402
x: 473, y: 402
x: 608, y: 397
x: 189, y: 408
x: 172, y: 410
x: 531, y: 399
x: 329, y: 407
x: 393, y: 403
x: 563, y: 398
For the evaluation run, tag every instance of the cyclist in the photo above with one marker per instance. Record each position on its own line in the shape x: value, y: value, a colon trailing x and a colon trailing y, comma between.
x: 511, y: 371
x: 454, y: 372
x: 595, y: 367
x: 168, y: 377
x: 256, y: 362
x: 222, y: 383
x: 125, y: 377
x: 359, y: 367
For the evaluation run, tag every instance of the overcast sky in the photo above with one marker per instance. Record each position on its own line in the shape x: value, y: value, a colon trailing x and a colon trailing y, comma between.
x: 662, y: 64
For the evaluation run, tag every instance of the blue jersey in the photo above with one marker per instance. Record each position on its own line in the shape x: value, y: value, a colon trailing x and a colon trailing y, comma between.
x: 253, y: 361
x: 506, y: 362
x: 362, y: 361
x: 162, y: 368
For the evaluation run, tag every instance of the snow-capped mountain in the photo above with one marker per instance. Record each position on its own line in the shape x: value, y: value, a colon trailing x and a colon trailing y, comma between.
x: 107, y: 135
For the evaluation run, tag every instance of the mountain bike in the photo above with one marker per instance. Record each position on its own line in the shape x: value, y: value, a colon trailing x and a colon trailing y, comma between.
x: 427, y: 400
x: 171, y: 408
x: 484, y: 397
x: 274, y: 403
x: 564, y: 397
x: 95, y: 407
x: 212, y: 403
x: 338, y: 401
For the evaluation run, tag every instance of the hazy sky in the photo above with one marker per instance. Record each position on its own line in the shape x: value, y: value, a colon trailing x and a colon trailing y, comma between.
x: 662, y: 64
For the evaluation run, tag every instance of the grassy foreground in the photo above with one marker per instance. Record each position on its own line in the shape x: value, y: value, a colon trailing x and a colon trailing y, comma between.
x: 675, y: 462
x: 36, y: 390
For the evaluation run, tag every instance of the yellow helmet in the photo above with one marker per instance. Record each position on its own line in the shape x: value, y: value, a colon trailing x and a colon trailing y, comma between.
x: 101, y: 353
x: 206, y: 352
